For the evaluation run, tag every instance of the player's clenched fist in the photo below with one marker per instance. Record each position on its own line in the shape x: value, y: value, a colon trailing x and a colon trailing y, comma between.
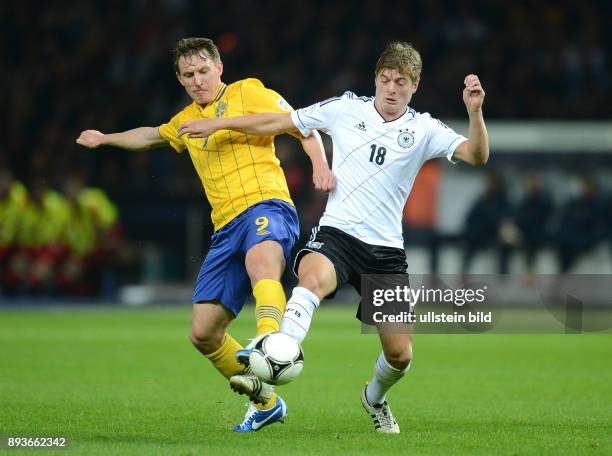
x: 323, y: 178
x: 473, y: 94
x: 90, y: 138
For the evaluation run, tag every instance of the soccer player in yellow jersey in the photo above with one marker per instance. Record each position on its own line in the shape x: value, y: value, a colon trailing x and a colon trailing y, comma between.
x: 254, y: 218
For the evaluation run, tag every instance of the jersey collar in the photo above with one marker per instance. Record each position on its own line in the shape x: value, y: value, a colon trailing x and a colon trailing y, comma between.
x: 220, y: 92
x: 407, y: 115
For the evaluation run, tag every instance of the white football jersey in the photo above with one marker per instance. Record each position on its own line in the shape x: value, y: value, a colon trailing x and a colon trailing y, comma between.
x: 375, y: 162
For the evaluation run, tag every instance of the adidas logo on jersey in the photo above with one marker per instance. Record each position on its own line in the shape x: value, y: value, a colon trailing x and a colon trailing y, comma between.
x: 361, y: 126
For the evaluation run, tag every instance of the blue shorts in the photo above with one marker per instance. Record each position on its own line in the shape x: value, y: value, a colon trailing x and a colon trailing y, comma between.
x: 223, y: 276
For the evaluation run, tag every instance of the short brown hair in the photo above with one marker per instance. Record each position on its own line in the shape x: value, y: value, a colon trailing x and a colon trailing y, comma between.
x: 403, y: 57
x: 195, y: 46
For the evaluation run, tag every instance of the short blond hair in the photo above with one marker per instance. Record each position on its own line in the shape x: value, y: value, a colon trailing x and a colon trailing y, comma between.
x: 403, y: 57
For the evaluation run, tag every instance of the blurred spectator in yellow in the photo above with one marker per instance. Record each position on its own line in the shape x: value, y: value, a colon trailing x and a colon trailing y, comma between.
x: 54, y: 244
x: 13, y: 198
x: 38, y: 242
x: 91, y: 237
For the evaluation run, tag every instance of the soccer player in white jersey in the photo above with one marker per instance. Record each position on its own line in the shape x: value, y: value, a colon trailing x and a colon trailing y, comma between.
x: 380, y: 143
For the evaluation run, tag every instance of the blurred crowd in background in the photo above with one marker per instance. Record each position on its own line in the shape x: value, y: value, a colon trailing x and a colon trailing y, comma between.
x: 106, y: 65
x: 71, y: 242
x: 58, y: 243
x: 525, y: 217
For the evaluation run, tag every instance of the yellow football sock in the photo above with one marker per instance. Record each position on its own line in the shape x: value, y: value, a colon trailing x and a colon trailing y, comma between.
x: 224, y: 358
x: 268, y: 405
x: 270, y: 305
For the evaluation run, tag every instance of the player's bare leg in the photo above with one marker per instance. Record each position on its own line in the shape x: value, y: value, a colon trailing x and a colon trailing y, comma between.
x: 391, y: 365
x: 317, y: 274
x: 265, y: 263
x: 396, y: 342
x: 208, y: 334
x: 209, y: 320
x: 317, y: 279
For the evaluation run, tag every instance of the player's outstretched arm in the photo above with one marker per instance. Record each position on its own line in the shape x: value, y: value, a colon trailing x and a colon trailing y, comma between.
x: 137, y: 139
x: 322, y: 177
x: 262, y: 124
x: 475, y: 150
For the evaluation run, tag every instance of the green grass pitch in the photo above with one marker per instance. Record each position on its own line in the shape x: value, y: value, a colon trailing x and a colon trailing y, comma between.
x: 128, y: 381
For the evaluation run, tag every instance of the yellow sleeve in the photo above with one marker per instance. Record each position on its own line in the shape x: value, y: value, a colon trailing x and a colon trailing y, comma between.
x: 169, y: 131
x: 257, y: 98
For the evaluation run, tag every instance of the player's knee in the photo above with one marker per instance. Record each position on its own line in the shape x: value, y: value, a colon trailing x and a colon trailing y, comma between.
x: 314, y: 283
x: 264, y: 270
x: 399, y: 357
x: 205, y: 340
x: 265, y: 261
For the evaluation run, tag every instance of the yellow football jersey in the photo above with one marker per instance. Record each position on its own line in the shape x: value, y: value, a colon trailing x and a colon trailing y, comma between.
x: 237, y: 170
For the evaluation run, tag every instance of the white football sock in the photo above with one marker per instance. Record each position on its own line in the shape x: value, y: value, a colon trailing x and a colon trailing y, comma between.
x: 385, y: 376
x: 298, y: 313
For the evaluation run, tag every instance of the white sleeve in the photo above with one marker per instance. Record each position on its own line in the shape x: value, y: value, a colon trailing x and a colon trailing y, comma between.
x: 443, y: 140
x: 320, y: 116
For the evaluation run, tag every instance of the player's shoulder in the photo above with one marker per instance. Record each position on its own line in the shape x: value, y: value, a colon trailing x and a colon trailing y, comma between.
x: 352, y: 96
x: 347, y: 101
x: 187, y: 113
x: 425, y: 118
x: 349, y: 97
x: 252, y: 84
x: 427, y: 121
x: 253, y: 90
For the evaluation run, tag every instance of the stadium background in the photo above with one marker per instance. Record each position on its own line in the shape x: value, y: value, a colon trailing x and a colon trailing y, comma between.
x: 107, y: 66
x: 69, y: 66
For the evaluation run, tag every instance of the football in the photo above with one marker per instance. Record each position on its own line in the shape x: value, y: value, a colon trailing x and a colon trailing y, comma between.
x: 277, y: 358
